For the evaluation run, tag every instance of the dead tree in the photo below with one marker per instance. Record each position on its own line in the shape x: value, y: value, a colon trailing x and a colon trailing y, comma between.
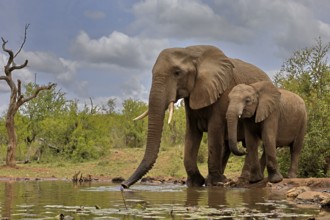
x: 17, y: 99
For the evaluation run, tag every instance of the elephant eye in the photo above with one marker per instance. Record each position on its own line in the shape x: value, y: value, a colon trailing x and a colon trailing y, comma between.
x: 248, y: 100
x: 177, y: 72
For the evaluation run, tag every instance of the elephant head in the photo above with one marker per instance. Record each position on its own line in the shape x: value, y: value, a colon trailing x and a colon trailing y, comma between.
x: 199, y: 73
x: 257, y: 100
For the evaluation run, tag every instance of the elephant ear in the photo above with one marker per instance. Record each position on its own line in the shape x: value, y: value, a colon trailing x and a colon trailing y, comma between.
x: 269, y: 99
x: 214, y: 76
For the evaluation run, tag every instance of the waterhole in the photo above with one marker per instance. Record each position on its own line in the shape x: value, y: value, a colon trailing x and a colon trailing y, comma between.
x: 103, y: 200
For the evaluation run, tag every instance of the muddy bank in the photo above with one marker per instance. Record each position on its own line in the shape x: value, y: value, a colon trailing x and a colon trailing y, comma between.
x: 309, y: 191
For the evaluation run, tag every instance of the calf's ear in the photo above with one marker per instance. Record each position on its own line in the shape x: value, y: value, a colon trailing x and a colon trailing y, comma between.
x: 269, y: 99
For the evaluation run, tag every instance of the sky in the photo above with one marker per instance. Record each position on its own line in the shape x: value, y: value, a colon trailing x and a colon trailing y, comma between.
x: 101, y: 49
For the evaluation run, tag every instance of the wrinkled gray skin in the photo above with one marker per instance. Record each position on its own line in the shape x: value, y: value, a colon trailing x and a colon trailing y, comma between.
x: 199, y: 74
x: 275, y: 116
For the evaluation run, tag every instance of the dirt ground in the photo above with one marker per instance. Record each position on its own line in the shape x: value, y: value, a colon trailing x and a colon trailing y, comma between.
x: 313, y: 183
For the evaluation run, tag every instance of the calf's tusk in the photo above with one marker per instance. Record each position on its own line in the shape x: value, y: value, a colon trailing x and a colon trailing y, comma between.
x: 171, y: 109
x: 143, y: 115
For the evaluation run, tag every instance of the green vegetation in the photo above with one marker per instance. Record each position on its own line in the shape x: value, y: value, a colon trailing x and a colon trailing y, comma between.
x: 53, y: 133
x: 307, y: 73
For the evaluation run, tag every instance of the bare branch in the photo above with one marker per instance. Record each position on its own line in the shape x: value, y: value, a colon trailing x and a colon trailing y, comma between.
x: 24, y: 40
x: 92, y: 108
x: 3, y: 78
x: 10, y: 53
x: 14, y: 67
x: 19, y: 87
x: 35, y: 94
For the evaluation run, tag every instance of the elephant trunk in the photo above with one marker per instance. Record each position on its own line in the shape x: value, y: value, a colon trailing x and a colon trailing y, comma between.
x: 232, y: 123
x: 156, y: 114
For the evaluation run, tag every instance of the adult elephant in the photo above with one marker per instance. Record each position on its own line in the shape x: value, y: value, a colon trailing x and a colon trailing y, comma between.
x: 276, y: 116
x: 199, y: 74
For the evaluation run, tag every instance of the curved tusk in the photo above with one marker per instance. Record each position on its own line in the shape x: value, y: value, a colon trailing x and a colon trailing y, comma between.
x: 143, y: 115
x: 171, y: 110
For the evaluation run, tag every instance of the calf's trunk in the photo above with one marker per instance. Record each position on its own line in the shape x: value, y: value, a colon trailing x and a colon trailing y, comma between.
x: 232, y: 123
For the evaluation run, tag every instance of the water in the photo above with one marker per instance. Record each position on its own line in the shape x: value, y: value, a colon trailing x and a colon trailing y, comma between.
x: 103, y: 200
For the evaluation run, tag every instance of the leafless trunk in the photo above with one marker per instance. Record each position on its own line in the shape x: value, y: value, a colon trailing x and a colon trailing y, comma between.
x: 16, y: 98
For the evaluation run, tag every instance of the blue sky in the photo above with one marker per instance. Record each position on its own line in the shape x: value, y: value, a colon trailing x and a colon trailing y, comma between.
x: 106, y: 49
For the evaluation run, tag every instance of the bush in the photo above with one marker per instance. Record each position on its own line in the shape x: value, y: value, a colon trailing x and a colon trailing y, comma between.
x: 307, y: 73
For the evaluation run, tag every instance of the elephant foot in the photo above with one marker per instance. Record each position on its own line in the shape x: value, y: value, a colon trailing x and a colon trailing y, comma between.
x: 245, y: 175
x: 195, y: 180
x: 242, y: 181
x: 256, y: 177
x: 215, y: 179
x: 292, y: 174
x: 275, y: 177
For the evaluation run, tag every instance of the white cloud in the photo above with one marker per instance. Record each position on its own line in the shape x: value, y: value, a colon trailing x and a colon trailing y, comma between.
x: 64, y: 70
x: 185, y: 19
x: 68, y: 70
x: 134, y: 88
x: 288, y: 25
x: 117, y: 49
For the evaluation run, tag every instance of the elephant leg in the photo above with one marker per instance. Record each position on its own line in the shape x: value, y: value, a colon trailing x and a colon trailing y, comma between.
x: 262, y: 160
x: 269, y: 141
x: 225, y: 157
x: 216, y: 153
x: 192, y: 144
x: 295, y: 151
x: 252, y: 159
x: 246, y: 170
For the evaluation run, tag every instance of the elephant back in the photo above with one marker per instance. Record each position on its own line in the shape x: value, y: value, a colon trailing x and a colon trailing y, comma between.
x: 247, y: 73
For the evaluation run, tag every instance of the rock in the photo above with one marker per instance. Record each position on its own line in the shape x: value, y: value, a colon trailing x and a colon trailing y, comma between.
x: 305, y: 195
x: 117, y: 180
x: 325, y: 203
x: 311, y: 197
x: 269, y: 184
x: 294, y: 192
x: 148, y: 179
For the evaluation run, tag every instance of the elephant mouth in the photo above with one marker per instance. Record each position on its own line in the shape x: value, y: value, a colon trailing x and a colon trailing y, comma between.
x: 247, y: 114
x: 181, y: 93
x: 170, y: 109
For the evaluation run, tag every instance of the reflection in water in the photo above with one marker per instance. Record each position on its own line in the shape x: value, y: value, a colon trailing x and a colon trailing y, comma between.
x: 47, y: 199
x: 7, y: 199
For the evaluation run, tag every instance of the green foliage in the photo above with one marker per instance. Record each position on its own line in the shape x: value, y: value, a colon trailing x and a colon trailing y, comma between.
x: 135, y: 131
x: 307, y: 73
x: 110, y: 107
x: 284, y: 160
x: 176, y: 158
x: 174, y: 133
x: 203, y: 151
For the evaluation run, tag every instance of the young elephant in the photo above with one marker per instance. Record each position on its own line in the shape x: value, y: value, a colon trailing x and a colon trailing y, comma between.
x: 275, y: 116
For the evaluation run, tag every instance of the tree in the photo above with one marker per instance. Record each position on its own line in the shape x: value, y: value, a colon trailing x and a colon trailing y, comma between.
x: 50, y: 103
x: 111, y: 106
x: 307, y: 73
x: 17, y: 98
